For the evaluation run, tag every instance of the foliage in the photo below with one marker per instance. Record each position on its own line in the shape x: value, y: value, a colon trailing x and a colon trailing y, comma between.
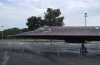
x: 8, y: 32
x: 24, y: 29
x: 34, y: 22
x: 51, y: 18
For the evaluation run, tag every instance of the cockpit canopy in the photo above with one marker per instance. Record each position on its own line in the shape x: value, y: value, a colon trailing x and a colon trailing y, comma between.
x: 43, y: 28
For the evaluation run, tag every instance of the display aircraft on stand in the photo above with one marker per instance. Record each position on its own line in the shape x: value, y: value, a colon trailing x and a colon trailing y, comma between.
x: 78, y: 34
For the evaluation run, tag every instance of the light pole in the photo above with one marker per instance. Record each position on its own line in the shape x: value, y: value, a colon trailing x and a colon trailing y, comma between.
x: 85, y: 18
x: 2, y: 33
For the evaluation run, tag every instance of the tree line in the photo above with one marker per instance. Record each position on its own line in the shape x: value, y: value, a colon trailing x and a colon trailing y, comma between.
x: 12, y: 31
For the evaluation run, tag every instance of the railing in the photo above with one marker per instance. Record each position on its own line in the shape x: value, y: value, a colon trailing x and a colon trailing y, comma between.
x: 58, y: 47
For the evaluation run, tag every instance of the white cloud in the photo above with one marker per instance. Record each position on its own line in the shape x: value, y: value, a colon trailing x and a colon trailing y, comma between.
x: 94, y: 3
x: 94, y: 21
x: 1, y: 5
x: 37, y: 0
x: 12, y: 0
x: 40, y: 11
x: 77, y: 5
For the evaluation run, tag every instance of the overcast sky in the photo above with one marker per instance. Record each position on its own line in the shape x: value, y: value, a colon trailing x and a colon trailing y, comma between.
x: 14, y: 13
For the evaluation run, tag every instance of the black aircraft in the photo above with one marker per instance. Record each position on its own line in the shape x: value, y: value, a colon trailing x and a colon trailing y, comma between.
x: 77, y: 34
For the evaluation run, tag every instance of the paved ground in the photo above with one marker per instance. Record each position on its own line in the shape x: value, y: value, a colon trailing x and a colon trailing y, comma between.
x: 1, y: 55
x: 29, y: 58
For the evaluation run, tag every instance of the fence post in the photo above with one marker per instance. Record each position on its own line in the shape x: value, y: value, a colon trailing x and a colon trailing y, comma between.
x: 39, y: 48
x: 58, y: 49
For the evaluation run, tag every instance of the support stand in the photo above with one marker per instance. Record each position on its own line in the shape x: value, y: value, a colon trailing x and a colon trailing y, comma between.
x: 83, y: 50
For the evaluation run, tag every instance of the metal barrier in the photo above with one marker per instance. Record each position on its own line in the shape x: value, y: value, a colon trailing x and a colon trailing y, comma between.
x: 57, y: 47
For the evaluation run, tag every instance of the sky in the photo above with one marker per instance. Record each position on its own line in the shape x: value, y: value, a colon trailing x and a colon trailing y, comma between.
x: 14, y: 13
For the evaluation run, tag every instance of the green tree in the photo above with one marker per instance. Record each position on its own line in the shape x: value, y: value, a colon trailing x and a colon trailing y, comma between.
x: 34, y: 22
x: 52, y: 17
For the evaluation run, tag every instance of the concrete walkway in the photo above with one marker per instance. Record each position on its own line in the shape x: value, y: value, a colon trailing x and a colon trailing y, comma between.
x: 48, y: 58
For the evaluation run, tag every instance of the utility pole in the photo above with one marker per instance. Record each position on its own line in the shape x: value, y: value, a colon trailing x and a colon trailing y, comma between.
x: 85, y: 18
